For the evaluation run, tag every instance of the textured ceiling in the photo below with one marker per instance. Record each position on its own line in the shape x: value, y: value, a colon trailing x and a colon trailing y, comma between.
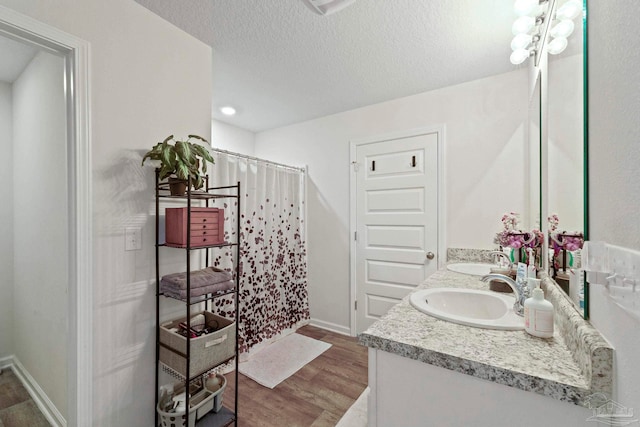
x: 15, y: 58
x: 279, y: 63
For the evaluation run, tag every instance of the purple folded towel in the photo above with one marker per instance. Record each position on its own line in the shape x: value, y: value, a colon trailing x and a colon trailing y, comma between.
x: 199, y: 278
x: 173, y: 292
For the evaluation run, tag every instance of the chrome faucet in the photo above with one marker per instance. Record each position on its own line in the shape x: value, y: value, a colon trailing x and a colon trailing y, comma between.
x: 503, y: 255
x: 519, y: 291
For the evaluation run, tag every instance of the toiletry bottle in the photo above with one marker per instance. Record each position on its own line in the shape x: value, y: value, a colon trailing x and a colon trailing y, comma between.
x: 521, y: 278
x: 213, y: 383
x: 180, y: 403
x: 538, y: 312
x: 581, y: 285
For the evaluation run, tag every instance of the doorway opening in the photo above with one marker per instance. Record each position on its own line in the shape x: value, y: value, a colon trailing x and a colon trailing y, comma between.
x: 51, y: 244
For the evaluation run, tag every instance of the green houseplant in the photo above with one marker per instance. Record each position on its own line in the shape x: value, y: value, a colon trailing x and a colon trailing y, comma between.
x: 180, y: 161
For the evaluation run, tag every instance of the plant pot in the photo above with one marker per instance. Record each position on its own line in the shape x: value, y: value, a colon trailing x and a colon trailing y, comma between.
x: 177, y: 187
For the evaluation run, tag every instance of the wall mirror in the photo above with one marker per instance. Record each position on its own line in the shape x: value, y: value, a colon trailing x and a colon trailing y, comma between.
x: 566, y: 151
x: 534, y: 155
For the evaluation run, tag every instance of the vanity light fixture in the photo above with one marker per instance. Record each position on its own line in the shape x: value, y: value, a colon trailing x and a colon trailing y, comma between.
x: 531, y: 14
x: 526, y: 7
x: 518, y: 56
x: 523, y: 25
x: 569, y: 10
x: 557, y: 45
x: 564, y: 26
x: 521, y: 41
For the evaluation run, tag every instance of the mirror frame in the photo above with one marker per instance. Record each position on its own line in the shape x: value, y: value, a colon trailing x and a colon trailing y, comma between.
x: 585, y: 132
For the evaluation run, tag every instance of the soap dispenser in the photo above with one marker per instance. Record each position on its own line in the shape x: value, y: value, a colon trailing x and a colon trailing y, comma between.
x: 538, y: 312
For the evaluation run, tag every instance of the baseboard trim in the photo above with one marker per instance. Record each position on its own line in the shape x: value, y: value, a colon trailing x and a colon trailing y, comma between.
x: 333, y: 327
x: 6, y: 362
x: 38, y: 395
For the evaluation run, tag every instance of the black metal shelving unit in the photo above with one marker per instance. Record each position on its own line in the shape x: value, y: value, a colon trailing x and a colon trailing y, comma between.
x: 225, y: 417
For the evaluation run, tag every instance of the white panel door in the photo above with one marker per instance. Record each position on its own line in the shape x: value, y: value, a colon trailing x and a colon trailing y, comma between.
x: 396, y: 221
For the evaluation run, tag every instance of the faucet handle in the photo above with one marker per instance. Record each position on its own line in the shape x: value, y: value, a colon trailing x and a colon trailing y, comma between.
x: 504, y: 256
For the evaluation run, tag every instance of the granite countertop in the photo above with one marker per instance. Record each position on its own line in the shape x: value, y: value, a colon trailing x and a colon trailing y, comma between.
x: 512, y: 358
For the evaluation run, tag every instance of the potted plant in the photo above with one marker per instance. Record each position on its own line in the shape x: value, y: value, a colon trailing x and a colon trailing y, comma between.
x: 180, y: 161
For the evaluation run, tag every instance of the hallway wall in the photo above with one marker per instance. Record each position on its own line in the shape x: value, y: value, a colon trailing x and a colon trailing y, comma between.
x: 6, y: 222
x: 40, y: 224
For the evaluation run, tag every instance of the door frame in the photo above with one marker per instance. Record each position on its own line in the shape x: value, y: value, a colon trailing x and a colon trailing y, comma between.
x: 439, y: 130
x: 76, y: 53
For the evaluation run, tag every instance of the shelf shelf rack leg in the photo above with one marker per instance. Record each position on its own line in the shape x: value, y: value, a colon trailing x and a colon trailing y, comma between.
x: 188, y: 251
x: 238, y: 263
x: 157, y: 295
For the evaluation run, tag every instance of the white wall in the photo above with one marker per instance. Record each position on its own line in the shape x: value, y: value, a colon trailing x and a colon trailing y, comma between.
x: 141, y: 91
x: 6, y: 222
x: 40, y: 219
x: 614, y: 156
x: 485, y: 129
x: 232, y: 138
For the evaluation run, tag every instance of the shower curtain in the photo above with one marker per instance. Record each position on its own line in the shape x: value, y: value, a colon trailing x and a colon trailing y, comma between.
x: 273, y: 260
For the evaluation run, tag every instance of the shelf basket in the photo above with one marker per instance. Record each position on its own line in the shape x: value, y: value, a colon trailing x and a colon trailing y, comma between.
x: 200, y: 404
x: 206, y: 351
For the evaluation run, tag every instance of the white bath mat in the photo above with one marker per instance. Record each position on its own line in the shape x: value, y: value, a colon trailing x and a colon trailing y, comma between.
x: 357, y: 415
x: 278, y: 361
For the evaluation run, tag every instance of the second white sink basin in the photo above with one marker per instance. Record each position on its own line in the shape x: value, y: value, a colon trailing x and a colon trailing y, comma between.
x: 473, y: 268
x: 477, y: 308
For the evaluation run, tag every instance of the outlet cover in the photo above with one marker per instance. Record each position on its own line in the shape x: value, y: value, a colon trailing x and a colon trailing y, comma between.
x: 132, y: 238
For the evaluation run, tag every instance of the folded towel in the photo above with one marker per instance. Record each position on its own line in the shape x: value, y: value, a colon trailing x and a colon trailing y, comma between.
x: 199, y: 278
x: 173, y: 292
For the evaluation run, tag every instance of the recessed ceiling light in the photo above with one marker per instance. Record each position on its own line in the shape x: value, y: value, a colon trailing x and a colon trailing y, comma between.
x: 228, y: 110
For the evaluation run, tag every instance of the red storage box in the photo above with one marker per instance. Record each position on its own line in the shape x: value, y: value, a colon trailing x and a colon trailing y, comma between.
x: 207, y: 227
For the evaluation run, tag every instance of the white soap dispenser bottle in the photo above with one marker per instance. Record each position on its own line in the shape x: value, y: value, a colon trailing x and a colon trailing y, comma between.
x: 538, y: 312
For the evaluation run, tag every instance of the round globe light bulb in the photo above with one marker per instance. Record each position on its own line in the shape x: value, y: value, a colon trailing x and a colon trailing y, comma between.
x: 563, y: 28
x: 523, y: 25
x: 569, y: 10
x: 525, y: 7
x: 557, y: 45
x: 518, y: 56
x: 521, y: 41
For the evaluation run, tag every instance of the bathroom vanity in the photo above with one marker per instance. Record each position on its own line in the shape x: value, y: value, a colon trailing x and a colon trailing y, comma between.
x: 425, y: 371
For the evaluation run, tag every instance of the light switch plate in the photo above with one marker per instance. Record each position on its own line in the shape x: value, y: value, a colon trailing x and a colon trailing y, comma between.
x: 132, y: 238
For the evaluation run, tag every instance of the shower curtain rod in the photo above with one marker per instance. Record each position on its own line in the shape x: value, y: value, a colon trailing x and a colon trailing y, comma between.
x: 244, y: 156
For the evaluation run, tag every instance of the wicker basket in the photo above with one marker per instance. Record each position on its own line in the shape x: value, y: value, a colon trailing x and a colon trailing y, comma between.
x: 207, y: 350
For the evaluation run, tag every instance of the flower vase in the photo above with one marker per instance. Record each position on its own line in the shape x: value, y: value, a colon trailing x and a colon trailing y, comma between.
x: 515, y: 256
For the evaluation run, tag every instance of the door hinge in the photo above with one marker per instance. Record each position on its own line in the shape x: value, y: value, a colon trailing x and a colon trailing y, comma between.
x: 355, y: 166
x: 355, y: 305
x: 355, y: 236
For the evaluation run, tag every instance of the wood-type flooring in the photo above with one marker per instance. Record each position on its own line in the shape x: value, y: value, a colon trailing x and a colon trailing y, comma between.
x: 317, y: 395
x: 17, y: 409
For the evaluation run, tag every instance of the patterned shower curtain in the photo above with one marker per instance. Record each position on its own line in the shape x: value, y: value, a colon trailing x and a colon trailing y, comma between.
x: 273, y: 260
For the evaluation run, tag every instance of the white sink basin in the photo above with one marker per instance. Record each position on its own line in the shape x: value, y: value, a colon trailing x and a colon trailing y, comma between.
x: 475, y: 269
x: 480, y: 309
